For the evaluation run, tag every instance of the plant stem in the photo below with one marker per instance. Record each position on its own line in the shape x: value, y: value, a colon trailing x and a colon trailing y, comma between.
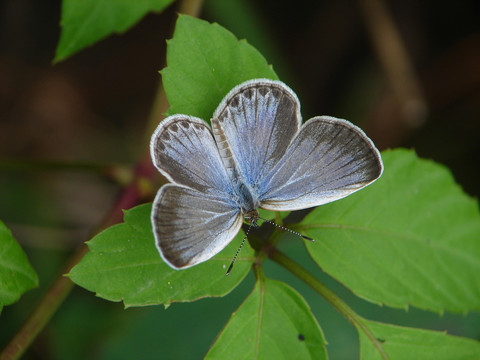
x: 42, y: 313
x: 62, y: 286
x: 116, y: 172
x: 130, y: 196
x: 355, y: 319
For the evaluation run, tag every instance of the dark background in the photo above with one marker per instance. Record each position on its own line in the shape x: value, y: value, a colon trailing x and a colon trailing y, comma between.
x: 60, y: 124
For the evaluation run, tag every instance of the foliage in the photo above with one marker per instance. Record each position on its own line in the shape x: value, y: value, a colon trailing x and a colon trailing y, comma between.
x: 256, y: 323
x: 205, y: 61
x: 16, y: 274
x: 396, y: 243
x: 86, y: 22
x: 123, y: 264
x: 408, y: 240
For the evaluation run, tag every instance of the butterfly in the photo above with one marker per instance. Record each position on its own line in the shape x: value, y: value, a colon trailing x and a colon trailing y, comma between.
x: 256, y: 154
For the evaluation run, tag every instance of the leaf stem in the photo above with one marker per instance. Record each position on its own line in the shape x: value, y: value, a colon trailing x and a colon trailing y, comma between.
x: 260, y: 282
x: 355, y: 319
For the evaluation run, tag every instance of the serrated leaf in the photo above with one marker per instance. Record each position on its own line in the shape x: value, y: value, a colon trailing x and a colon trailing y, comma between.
x: 274, y: 322
x: 407, y: 343
x: 88, y: 21
x: 205, y: 61
x: 124, y: 264
x: 411, y: 238
x: 16, y: 274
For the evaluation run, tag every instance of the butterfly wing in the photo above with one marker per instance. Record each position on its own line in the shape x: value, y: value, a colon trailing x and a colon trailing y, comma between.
x: 192, y: 226
x: 184, y: 151
x: 327, y: 160
x: 195, y: 217
x: 253, y: 127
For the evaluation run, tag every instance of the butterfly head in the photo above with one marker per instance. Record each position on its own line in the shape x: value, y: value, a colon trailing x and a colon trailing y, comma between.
x: 251, y: 217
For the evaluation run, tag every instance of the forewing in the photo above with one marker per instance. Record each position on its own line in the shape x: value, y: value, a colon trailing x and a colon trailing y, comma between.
x: 192, y: 226
x: 253, y: 126
x: 183, y: 149
x: 327, y: 160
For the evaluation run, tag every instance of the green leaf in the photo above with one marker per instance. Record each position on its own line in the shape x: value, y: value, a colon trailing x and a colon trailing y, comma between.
x: 124, y: 264
x: 274, y: 322
x: 408, y: 343
x: 205, y: 61
x: 16, y: 274
x: 88, y: 21
x: 411, y: 238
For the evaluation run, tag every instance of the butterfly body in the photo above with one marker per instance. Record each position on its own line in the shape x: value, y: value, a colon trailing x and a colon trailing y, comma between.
x: 246, y: 199
x: 256, y: 155
x: 244, y: 193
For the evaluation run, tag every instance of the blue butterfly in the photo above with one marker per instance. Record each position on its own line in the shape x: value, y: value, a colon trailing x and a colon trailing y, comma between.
x: 256, y: 155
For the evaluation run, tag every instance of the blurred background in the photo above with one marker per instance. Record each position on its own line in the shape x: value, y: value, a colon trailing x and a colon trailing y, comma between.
x: 407, y: 72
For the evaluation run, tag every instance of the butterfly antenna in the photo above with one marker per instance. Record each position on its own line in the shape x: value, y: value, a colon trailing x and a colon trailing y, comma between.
x: 287, y: 229
x: 238, y: 251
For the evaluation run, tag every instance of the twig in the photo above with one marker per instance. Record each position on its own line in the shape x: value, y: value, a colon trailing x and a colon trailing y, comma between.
x: 190, y: 7
x: 395, y: 60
